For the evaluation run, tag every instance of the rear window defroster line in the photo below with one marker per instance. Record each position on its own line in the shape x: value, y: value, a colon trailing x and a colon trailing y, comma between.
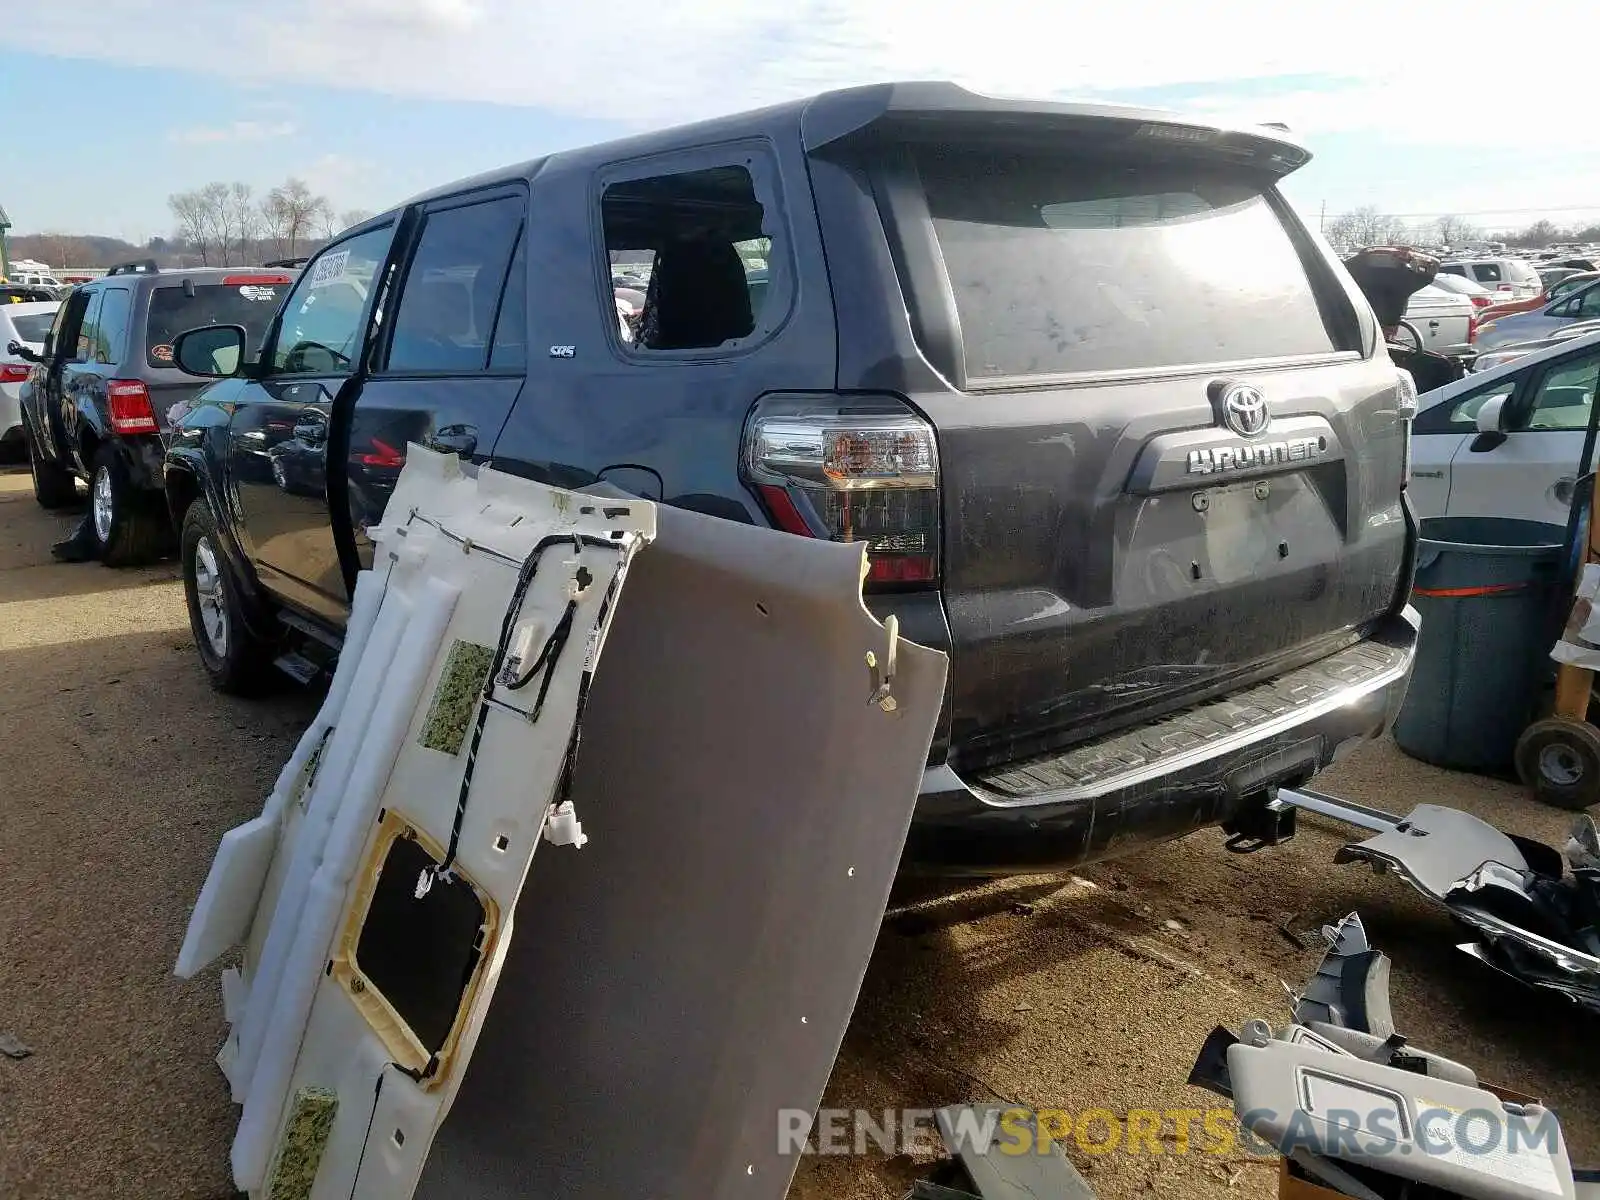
x: 548, y: 656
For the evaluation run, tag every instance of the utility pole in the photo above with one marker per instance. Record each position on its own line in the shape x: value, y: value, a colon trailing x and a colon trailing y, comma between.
x: 1322, y: 221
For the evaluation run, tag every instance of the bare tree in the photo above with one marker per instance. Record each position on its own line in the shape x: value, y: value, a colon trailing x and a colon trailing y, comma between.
x: 244, y: 218
x: 1456, y: 231
x: 1363, y: 227
x: 292, y: 214
x: 333, y: 225
x: 194, y: 222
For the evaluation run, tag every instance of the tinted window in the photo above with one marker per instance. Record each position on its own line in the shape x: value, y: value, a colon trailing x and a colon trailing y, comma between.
x: 1587, y: 304
x: 1454, y: 269
x: 33, y: 327
x: 322, y: 329
x: 511, y: 326
x: 174, y: 309
x: 88, y: 331
x: 111, y: 334
x: 1486, y: 272
x: 1062, y: 265
x: 699, y: 236
x: 444, y: 319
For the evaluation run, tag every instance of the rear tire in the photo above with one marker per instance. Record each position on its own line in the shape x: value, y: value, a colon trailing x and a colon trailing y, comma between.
x: 53, y: 485
x: 237, y: 661
x: 130, y: 527
x: 1560, y: 760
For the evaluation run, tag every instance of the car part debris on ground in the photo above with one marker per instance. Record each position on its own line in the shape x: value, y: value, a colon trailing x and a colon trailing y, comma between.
x: 685, y: 975
x: 1357, y: 1111
x: 1533, y: 910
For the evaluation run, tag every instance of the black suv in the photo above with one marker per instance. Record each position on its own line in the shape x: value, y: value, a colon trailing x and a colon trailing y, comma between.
x: 1120, y: 435
x: 96, y: 406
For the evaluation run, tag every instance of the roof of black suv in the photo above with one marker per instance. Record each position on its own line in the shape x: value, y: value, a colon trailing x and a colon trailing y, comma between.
x: 839, y: 115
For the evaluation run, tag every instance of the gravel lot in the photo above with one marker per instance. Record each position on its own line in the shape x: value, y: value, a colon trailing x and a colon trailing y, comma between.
x: 1079, y: 992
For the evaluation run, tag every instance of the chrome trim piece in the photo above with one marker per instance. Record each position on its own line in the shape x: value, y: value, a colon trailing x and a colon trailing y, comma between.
x: 1200, y: 754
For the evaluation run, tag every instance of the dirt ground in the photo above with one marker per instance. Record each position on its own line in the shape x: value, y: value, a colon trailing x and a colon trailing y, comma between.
x: 1076, y: 992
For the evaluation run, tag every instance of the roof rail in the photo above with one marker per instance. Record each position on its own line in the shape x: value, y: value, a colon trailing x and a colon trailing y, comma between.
x: 288, y: 263
x: 144, y: 267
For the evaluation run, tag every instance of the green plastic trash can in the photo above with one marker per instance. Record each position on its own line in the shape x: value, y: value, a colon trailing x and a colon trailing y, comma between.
x: 1485, y: 588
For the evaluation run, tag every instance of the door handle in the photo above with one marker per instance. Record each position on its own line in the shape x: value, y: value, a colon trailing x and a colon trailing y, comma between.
x: 1565, y: 489
x: 454, y: 439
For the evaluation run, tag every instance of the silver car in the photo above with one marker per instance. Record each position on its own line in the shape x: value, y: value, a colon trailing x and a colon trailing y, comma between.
x: 1582, y: 305
x: 27, y: 324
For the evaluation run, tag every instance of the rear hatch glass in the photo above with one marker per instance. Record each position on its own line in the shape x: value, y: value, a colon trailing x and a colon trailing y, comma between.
x: 174, y: 309
x: 1060, y: 265
x: 33, y: 326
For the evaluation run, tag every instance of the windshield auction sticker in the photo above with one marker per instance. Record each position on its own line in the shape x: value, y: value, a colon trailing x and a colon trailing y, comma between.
x: 329, y: 268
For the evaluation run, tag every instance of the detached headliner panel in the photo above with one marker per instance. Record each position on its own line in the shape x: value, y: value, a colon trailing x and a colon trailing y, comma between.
x: 691, y: 971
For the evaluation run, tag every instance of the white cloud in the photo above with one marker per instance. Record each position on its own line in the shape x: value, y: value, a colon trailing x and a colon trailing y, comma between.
x: 236, y: 131
x: 656, y: 63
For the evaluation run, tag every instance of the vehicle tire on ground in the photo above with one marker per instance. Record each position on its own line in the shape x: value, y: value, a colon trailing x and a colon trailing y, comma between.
x: 131, y: 526
x: 53, y: 485
x: 236, y: 659
x: 1560, y: 760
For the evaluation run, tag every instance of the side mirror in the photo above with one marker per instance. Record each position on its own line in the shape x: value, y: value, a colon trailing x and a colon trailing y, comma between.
x: 211, y: 352
x: 1490, y: 434
x: 17, y: 350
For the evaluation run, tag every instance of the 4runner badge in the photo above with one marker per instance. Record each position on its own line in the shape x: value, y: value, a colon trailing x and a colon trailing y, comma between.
x: 1256, y: 455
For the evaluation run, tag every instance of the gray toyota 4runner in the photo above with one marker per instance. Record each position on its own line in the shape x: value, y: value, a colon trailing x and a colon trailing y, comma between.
x: 1121, y: 435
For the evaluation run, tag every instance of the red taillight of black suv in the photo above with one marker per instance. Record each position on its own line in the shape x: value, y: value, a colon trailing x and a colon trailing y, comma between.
x: 851, y: 469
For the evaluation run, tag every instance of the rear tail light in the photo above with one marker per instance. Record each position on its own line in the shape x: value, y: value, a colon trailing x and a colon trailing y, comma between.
x: 129, y: 401
x: 850, y: 469
x: 381, y: 455
x: 1406, y: 407
x: 1479, y: 301
x: 14, y: 372
x: 255, y: 280
x: 1472, y: 326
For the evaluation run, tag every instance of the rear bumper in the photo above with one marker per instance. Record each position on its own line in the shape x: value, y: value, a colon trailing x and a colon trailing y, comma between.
x: 1155, y: 782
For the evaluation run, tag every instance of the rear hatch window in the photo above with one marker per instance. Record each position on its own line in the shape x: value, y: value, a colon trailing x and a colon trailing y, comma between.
x: 241, y: 300
x: 1521, y: 272
x: 1062, y: 265
x: 33, y: 326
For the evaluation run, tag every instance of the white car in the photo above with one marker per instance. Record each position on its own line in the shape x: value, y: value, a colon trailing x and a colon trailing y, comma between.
x: 1513, y: 278
x: 1506, y: 442
x: 25, y: 323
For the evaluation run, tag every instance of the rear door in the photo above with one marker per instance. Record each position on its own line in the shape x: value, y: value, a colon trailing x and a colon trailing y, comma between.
x: 451, y: 357
x: 1532, y: 472
x: 1169, y: 447
x: 280, y: 430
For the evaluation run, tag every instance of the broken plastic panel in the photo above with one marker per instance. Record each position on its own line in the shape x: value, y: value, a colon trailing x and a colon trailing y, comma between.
x: 418, y: 1011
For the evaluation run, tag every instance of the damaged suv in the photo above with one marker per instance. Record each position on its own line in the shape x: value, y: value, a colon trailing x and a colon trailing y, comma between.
x: 1120, y: 434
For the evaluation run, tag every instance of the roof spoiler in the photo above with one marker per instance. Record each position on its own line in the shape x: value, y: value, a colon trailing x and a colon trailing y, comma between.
x: 899, y: 110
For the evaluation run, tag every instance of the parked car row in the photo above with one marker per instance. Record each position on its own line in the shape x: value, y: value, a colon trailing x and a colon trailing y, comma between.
x: 883, y: 315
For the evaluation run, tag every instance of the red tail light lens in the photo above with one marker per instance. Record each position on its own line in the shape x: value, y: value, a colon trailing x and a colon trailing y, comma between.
x: 381, y: 455
x: 129, y: 401
x: 851, y: 469
x: 14, y: 372
x: 255, y: 280
x: 1480, y: 301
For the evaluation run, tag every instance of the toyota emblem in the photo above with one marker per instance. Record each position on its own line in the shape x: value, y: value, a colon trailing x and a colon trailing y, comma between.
x: 1244, y: 410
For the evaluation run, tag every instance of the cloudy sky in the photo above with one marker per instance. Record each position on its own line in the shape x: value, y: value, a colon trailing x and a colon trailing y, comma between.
x: 1416, y: 106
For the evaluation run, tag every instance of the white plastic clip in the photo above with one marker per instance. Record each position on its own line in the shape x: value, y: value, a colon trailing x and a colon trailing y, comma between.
x: 562, y: 827
x: 883, y: 677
